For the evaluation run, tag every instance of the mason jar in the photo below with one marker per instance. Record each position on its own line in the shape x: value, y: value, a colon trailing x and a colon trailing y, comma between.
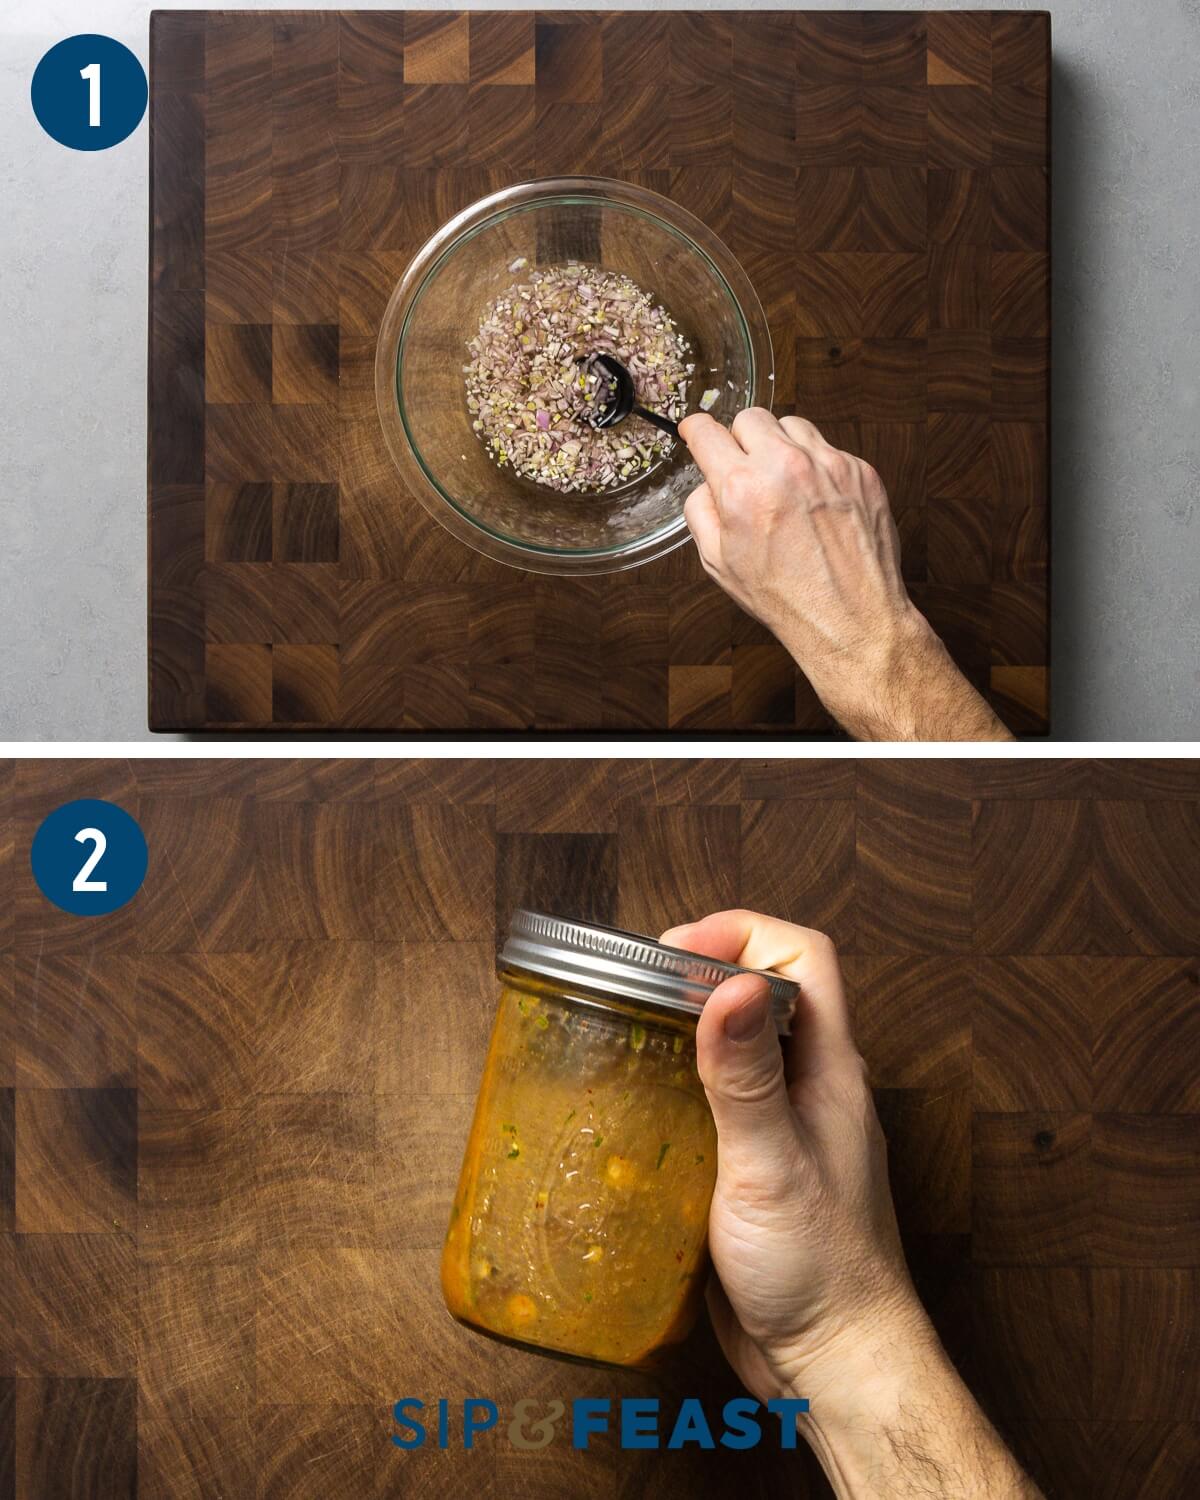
x: 580, y: 1222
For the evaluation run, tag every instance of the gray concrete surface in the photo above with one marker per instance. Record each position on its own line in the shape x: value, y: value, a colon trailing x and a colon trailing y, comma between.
x: 1126, y: 454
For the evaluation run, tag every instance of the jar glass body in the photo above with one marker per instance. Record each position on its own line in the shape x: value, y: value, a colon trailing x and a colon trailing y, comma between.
x: 580, y: 1222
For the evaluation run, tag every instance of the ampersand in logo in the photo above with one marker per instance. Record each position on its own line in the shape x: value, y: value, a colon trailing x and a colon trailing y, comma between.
x: 540, y: 1433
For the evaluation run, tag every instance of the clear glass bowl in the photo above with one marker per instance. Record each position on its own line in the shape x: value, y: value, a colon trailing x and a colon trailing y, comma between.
x: 437, y: 308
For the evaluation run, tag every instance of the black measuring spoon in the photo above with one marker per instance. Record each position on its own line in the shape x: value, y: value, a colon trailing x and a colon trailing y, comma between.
x: 621, y: 402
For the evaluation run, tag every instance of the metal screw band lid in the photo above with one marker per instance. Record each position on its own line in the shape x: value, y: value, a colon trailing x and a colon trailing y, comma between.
x: 606, y: 961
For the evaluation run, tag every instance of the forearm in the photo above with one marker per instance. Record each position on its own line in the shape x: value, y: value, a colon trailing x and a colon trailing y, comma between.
x: 899, y: 1424
x: 905, y: 688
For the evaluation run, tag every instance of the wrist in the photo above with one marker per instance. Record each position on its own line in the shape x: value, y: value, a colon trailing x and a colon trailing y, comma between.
x: 907, y: 658
x: 864, y: 1364
x: 873, y: 687
x: 866, y: 1392
x: 902, y: 684
x: 889, y: 1416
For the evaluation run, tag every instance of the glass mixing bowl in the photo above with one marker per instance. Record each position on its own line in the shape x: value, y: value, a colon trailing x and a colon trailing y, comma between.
x: 437, y: 308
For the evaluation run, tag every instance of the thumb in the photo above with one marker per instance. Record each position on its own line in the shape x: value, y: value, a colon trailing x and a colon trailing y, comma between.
x: 741, y: 1067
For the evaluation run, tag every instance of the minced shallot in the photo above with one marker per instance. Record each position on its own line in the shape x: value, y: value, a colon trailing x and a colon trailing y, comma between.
x: 532, y: 390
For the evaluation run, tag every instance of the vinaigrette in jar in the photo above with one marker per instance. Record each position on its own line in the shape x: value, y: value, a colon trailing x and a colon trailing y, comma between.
x: 580, y: 1221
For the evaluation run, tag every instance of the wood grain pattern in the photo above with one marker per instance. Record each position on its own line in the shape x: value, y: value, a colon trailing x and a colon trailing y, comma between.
x: 883, y: 178
x: 230, y: 1127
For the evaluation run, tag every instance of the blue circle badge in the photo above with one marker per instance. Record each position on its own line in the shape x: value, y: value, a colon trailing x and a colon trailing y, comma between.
x: 89, y: 857
x: 89, y: 92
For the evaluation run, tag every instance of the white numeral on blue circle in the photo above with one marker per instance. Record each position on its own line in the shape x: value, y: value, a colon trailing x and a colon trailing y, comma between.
x: 108, y: 834
x: 82, y: 882
x: 92, y: 74
x: 95, y: 125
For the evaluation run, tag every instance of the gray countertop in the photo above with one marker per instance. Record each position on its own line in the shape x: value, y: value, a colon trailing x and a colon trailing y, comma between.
x: 1125, y: 447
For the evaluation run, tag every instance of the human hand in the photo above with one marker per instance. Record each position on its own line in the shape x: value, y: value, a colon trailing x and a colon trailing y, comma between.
x: 812, y: 1297
x: 802, y: 1231
x: 801, y: 536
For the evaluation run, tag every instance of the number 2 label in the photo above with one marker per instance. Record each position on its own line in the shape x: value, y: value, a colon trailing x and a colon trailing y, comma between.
x: 82, y: 881
x: 92, y: 74
x: 103, y: 875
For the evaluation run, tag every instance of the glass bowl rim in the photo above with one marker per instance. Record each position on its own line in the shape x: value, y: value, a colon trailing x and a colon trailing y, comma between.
x: 465, y: 225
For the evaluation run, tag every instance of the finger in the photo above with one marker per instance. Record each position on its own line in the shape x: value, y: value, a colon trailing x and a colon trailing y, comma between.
x: 803, y: 432
x: 714, y: 448
x: 821, y: 1031
x: 755, y: 427
x: 700, y: 513
x: 740, y: 1064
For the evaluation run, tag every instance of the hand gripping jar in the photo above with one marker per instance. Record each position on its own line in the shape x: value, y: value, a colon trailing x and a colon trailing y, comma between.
x: 580, y: 1222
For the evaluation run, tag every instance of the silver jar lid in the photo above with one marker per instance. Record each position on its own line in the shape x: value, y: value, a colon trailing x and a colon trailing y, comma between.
x: 627, y: 966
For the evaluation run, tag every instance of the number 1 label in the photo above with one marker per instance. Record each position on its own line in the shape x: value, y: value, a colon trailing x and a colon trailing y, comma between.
x: 92, y: 74
x: 83, y: 121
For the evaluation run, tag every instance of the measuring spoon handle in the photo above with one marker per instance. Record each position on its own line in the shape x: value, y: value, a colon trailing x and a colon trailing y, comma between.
x: 664, y: 424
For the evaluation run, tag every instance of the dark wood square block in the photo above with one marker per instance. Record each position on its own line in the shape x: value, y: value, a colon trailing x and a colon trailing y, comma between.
x: 882, y: 176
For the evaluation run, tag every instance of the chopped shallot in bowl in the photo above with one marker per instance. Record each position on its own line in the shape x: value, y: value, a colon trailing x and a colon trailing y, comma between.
x: 532, y: 386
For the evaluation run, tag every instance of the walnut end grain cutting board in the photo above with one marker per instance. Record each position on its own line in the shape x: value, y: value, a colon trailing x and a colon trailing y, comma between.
x: 232, y: 1113
x: 883, y: 178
